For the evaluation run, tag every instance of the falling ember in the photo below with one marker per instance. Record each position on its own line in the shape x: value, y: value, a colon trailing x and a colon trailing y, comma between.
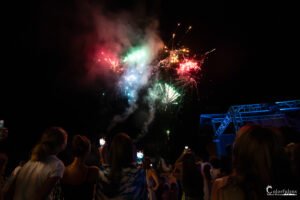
x: 187, y: 81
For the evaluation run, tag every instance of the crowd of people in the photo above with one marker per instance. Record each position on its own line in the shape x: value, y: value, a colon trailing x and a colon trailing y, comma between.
x: 260, y: 157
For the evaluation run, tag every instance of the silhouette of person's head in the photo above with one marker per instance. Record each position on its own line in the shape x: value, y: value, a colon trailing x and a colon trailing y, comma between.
x: 81, y: 146
x: 122, y: 151
x: 258, y: 156
x: 53, y: 141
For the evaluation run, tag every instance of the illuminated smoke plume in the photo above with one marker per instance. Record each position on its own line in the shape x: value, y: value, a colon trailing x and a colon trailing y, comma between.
x: 137, y: 69
x: 128, y: 58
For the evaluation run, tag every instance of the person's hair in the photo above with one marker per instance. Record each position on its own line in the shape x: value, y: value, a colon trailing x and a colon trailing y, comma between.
x: 3, y: 162
x: 81, y: 146
x: 104, y: 154
x: 50, y: 143
x: 215, y: 162
x: 192, y: 178
x: 121, y: 155
x: 258, y: 159
x: 147, y: 163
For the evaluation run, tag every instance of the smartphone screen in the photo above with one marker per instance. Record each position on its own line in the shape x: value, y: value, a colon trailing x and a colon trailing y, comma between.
x: 140, y: 157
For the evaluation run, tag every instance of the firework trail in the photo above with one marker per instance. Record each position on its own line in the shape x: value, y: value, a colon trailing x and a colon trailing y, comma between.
x: 174, y: 35
x: 184, y: 35
x: 122, y: 117
x: 148, y: 121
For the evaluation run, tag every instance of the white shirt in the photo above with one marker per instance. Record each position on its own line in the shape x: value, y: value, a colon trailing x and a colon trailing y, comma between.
x: 34, y: 174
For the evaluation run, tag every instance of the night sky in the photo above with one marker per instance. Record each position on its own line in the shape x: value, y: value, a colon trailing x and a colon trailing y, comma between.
x: 44, y: 47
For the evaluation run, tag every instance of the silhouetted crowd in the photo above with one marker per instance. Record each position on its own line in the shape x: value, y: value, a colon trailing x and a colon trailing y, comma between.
x: 262, y: 162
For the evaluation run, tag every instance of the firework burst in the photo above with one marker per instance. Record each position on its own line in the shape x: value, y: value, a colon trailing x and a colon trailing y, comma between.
x: 164, y: 94
x: 109, y: 60
x: 161, y: 74
x: 164, y: 74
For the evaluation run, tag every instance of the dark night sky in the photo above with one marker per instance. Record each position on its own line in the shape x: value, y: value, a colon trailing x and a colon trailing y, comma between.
x: 254, y: 62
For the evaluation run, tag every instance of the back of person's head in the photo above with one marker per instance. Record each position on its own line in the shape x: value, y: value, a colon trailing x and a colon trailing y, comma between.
x: 215, y: 162
x: 258, y: 157
x: 81, y: 146
x: 3, y: 162
x: 122, y: 150
x: 104, y: 154
x: 53, y: 140
x: 121, y: 154
x: 192, y: 179
x: 188, y: 160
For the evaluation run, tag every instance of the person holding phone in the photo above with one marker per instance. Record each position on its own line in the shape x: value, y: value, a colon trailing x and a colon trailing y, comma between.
x: 188, y: 173
x: 140, y: 157
x: 151, y: 178
x: 122, y: 179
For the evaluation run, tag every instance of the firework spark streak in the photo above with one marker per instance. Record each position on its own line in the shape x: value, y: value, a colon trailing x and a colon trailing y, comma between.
x: 170, y: 94
x: 164, y: 94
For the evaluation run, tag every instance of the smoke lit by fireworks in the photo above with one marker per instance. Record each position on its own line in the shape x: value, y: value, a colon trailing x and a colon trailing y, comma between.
x: 138, y: 67
x: 136, y: 73
x: 163, y: 71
